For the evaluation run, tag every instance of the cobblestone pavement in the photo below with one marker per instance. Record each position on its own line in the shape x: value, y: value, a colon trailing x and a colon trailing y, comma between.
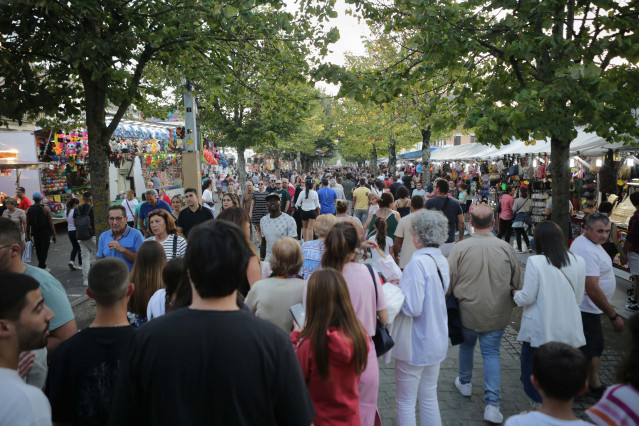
x: 459, y: 410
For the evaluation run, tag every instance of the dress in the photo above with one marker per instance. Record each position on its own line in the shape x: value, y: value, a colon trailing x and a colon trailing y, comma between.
x: 391, y: 225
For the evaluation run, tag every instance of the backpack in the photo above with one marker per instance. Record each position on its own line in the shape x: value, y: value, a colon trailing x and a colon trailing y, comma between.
x: 83, y: 224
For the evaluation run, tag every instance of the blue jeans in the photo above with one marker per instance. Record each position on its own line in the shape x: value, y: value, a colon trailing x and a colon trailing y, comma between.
x: 527, y: 352
x: 489, y: 342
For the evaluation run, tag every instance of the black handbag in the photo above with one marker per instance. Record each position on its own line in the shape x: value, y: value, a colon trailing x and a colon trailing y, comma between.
x: 382, y: 338
x: 452, y: 309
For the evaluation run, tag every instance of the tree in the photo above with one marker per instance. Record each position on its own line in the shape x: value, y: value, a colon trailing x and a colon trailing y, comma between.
x: 62, y: 58
x: 530, y: 69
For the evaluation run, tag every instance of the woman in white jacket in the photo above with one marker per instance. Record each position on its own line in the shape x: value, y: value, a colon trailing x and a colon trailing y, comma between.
x: 424, y: 282
x: 554, y: 286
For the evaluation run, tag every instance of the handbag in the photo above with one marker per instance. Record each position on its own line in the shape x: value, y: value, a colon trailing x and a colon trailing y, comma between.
x: 382, y: 339
x: 452, y: 309
x: 26, y: 255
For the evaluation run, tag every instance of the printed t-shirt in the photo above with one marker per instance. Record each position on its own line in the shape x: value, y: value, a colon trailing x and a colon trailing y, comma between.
x: 361, y: 194
x: 83, y: 372
x: 274, y: 229
x: 598, y: 264
x: 222, y: 379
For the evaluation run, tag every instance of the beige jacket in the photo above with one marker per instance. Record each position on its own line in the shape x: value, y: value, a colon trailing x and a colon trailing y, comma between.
x: 482, y: 270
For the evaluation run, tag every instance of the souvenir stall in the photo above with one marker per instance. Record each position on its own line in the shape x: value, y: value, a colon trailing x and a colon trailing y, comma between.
x: 19, y: 163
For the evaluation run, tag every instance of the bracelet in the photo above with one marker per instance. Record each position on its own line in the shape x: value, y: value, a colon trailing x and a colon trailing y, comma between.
x: 614, y: 318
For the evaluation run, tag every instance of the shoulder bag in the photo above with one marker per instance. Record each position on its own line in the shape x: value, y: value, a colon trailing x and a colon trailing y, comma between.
x: 382, y: 338
x: 452, y: 308
x: 175, y: 241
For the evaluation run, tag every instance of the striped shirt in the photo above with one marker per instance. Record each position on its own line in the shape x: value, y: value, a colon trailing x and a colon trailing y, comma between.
x: 619, y: 405
x: 259, y: 207
x: 167, y: 245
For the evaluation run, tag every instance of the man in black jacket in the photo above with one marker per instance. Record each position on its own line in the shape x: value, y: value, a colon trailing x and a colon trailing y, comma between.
x: 87, y: 246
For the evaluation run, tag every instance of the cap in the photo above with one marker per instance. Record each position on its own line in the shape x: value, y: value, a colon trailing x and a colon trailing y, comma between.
x: 36, y: 196
x: 273, y: 194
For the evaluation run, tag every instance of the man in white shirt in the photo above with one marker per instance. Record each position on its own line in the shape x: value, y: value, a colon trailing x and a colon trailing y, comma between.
x: 600, y: 287
x: 24, y: 326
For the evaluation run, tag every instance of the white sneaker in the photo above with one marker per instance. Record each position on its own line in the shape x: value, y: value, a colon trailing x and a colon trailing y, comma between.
x: 85, y: 283
x: 492, y: 414
x: 466, y: 389
x: 72, y: 266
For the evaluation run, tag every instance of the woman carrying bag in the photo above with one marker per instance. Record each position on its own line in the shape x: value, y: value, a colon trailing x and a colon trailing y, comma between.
x: 522, y: 222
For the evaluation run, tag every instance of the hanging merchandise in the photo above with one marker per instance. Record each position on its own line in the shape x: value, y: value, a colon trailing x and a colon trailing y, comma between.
x: 607, y: 181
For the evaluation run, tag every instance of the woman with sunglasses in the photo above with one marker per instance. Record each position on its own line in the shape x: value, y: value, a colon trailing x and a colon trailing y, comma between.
x: 258, y: 207
x: 162, y: 226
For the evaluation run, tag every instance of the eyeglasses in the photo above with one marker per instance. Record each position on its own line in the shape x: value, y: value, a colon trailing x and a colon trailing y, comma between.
x: 116, y: 219
x: 260, y: 184
x: 278, y: 183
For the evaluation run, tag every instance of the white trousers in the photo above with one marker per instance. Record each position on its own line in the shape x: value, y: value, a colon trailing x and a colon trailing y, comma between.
x: 88, y: 248
x: 415, y: 383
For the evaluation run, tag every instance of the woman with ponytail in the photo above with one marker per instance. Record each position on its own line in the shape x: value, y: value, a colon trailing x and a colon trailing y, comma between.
x: 332, y: 350
x: 365, y: 290
x: 310, y: 206
x: 384, y: 242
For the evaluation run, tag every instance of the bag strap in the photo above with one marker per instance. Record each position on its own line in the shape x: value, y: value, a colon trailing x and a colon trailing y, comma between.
x: 175, y: 241
x: 370, y: 269
x: 569, y: 282
x: 438, y: 271
x: 129, y: 206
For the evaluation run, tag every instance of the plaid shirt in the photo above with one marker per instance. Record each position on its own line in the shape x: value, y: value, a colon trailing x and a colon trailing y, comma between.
x: 633, y: 232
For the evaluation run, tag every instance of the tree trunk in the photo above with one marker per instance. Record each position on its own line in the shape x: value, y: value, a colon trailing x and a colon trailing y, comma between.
x: 276, y: 162
x: 425, y: 156
x: 374, y: 160
x: 241, y: 168
x: 392, y: 158
x: 98, y: 140
x: 559, y: 158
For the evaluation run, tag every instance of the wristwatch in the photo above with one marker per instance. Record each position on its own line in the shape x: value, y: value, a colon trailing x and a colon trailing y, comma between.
x: 614, y: 318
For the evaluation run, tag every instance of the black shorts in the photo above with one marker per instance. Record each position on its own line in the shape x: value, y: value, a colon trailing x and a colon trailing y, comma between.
x: 594, y: 335
x: 306, y: 215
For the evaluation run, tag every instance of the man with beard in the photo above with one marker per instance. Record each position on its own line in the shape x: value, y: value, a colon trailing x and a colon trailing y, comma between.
x: 275, y: 225
x: 24, y: 326
x: 63, y: 326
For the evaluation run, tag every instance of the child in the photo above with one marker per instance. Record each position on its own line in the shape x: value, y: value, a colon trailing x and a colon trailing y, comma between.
x: 559, y: 374
x: 332, y: 350
x: 372, y: 202
x: 384, y: 242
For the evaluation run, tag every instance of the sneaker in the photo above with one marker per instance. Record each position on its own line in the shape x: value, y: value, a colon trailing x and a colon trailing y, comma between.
x: 85, y: 283
x: 631, y: 300
x: 72, y: 266
x: 466, y: 389
x: 632, y: 307
x: 493, y: 415
x: 520, y: 252
x: 46, y: 268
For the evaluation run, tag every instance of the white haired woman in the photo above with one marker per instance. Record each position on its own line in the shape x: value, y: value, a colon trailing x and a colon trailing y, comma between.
x: 424, y: 282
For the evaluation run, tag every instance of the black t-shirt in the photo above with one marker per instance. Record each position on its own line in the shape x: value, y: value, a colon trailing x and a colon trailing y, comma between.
x: 393, y: 188
x: 188, y: 219
x: 194, y: 367
x: 407, y: 180
x: 453, y: 210
x: 82, y: 375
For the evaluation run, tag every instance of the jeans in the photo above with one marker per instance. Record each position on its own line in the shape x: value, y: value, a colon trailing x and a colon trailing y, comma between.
x: 413, y: 383
x: 76, y: 250
x: 362, y: 215
x: 527, y: 352
x: 489, y: 342
x: 41, y: 244
x: 88, y: 247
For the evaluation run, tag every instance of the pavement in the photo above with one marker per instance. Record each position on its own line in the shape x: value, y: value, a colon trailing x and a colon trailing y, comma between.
x: 455, y: 409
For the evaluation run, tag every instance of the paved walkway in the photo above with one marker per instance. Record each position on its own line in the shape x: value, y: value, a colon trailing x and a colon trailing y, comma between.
x: 459, y: 410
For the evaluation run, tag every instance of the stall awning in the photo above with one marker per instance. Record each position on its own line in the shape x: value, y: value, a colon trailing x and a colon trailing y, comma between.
x: 22, y: 165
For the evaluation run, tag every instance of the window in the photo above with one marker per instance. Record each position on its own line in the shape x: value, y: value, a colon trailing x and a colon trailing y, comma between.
x: 472, y: 138
x: 457, y: 140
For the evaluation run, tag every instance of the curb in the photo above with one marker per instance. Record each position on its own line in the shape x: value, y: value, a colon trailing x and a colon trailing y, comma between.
x: 79, y: 300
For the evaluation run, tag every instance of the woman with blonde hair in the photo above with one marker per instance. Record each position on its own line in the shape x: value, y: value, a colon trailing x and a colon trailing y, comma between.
x: 162, y: 226
x: 271, y: 298
x: 332, y: 349
x: 313, y: 250
x: 367, y: 296
x: 129, y: 204
x: 146, y: 275
x: 177, y: 204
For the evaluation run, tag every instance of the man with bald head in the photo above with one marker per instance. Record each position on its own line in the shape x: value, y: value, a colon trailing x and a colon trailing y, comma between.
x: 483, y: 269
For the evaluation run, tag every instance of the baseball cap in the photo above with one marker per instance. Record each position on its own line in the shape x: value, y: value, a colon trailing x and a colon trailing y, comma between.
x: 36, y: 196
x: 273, y: 194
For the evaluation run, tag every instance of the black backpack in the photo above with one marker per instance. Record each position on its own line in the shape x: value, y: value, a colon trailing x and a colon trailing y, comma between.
x: 83, y: 224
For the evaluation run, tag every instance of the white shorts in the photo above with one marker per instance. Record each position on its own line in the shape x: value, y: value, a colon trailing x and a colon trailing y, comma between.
x: 633, y: 263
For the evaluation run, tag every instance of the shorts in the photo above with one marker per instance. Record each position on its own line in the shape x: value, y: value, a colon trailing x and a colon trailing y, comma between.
x: 633, y: 263
x: 594, y: 335
x: 310, y: 214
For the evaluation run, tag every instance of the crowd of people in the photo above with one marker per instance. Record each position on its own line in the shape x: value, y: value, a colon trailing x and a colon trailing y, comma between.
x: 195, y: 317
